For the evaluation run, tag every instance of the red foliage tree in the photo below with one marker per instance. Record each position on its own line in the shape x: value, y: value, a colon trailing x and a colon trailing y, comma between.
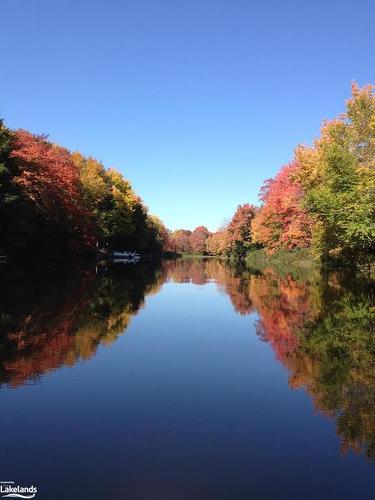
x: 198, y: 239
x: 49, y: 179
x: 282, y: 222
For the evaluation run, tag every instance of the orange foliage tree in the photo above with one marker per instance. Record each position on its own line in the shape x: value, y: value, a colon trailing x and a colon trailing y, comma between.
x: 239, y: 231
x: 282, y: 221
x: 180, y: 240
x: 217, y: 243
x: 198, y: 239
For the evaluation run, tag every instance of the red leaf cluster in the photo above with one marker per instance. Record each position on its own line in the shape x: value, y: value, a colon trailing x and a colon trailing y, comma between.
x: 282, y: 222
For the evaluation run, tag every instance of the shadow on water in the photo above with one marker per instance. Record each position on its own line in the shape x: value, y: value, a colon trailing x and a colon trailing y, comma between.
x: 321, y: 327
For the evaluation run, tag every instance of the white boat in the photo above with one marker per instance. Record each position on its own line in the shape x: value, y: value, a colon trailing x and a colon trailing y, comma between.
x: 127, y: 257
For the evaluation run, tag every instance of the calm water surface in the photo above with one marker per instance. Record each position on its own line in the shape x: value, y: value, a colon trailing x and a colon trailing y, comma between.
x: 189, y: 380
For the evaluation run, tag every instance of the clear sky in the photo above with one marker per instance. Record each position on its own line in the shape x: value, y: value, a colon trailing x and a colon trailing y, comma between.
x: 196, y: 102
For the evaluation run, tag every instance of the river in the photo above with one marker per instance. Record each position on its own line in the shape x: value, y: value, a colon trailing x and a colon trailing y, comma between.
x: 187, y: 380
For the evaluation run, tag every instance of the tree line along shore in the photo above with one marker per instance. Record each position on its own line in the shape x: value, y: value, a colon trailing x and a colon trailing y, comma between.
x: 321, y: 205
x: 54, y: 202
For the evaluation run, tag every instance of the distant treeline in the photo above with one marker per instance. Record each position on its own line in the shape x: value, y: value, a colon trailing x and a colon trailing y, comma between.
x: 324, y: 200
x: 57, y: 203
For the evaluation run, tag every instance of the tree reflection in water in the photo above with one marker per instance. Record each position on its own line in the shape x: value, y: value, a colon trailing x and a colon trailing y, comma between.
x: 321, y: 327
x: 50, y: 319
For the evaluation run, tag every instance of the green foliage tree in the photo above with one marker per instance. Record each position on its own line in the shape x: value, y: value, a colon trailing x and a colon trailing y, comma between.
x: 338, y: 174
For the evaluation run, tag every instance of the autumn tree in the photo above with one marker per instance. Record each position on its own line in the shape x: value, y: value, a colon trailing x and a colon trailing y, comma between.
x: 122, y: 219
x: 57, y: 203
x: 217, y: 243
x: 97, y: 194
x: 50, y: 215
x: 282, y: 222
x: 181, y: 241
x: 198, y: 239
x: 239, y: 232
x: 338, y: 176
x: 159, y: 237
x: 128, y: 218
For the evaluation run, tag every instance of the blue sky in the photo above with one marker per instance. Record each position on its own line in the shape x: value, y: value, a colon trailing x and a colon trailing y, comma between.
x: 195, y: 102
